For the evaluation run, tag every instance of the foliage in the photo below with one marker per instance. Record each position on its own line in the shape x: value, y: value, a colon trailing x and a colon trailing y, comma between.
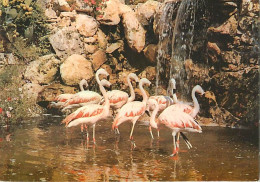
x: 97, y: 5
x: 24, y: 23
x: 14, y: 105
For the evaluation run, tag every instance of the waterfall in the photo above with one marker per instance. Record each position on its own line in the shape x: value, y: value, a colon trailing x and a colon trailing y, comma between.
x: 176, y: 41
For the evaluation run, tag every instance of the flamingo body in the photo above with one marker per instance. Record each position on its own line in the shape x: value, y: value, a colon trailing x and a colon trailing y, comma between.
x: 117, y: 98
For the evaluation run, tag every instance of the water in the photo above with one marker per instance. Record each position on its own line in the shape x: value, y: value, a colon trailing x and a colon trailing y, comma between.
x: 183, y: 29
x: 44, y: 150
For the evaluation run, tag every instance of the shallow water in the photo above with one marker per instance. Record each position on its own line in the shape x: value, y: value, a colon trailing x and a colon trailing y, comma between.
x: 44, y: 150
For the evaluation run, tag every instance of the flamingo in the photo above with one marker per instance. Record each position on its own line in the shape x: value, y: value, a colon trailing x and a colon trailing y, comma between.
x: 118, y: 98
x: 82, y: 98
x: 61, y: 99
x: 92, y: 113
x: 132, y: 111
x: 162, y: 100
x: 176, y: 120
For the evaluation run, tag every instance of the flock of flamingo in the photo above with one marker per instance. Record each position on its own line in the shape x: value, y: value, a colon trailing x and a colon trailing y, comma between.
x: 163, y: 110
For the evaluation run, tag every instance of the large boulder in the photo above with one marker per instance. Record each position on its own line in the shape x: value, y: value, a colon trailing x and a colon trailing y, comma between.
x: 134, y: 32
x: 75, y: 68
x: 86, y: 25
x: 98, y: 59
x: 66, y: 41
x: 42, y: 70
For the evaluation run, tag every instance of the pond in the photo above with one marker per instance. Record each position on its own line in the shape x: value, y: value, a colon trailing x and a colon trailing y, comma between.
x: 44, y: 150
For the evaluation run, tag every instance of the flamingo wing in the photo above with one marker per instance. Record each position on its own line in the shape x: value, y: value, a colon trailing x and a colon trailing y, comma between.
x: 178, y: 119
x: 84, y: 97
x: 116, y: 96
x: 87, y: 111
x: 63, y: 97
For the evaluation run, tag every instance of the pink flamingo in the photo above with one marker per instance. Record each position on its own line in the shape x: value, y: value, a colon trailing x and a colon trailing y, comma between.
x: 162, y: 100
x: 132, y: 111
x: 82, y: 98
x: 61, y: 99
x: 118, y: 98
x: 176, y: 120
x: 92, y: 113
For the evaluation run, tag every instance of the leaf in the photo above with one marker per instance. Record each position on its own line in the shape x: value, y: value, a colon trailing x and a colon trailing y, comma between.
x: 12, y: 12
x: 27, y: 2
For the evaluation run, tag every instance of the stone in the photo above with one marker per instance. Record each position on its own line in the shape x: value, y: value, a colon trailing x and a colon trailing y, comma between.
x: 82, y: 6
x: 74, y: 69
x: 134, y: 32
x: 227, y: 28
x: 49, y: 92
x: 31, y: 90
x: 50, y: 13
x: 86, y: 25
x: 102, y: 39
x: 90, y: 39
x: 150, y: 52
x: 63, y: 5
x: 42, y: 70
x: 231, y: 57
x: 65, y: 42
x: 114, y: 46
x: 149, y: 73
x: 146, y: 11
x: 98, y: 59
x: 110, y: 15
x: 90, y: 49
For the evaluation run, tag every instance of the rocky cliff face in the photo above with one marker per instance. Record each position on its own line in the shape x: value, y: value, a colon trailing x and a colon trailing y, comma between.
x: 125, y: 39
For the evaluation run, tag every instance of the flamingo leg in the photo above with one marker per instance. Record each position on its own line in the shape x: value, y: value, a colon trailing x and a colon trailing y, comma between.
x: 158, y: 133
x: 86, y: 128
x: 94, y: 139
x: 132, y: 130
x: 117, y: 131
x: 174, y: 152
x: 151, y: 132
x: 82, y: 128
x: 178, y: 142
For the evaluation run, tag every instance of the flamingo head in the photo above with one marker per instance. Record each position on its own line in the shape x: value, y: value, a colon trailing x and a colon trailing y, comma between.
x: 84, y: 82
x: 105, y: 83
x: 145, y: 81
x: 102, y: 71
x: 134, y: 76
x: 173, y: 83
x: 151, y: 105
x: 199, y: 90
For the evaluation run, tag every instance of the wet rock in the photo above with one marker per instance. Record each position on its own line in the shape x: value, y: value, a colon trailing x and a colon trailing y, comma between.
x: 42, y: 70
x: 98, y: 59
x: 228, y: 28
x: 86, y: 25
x: 65, y: 42
x: 75, y: 68
x: 150, y: 52
x: 146, y: 11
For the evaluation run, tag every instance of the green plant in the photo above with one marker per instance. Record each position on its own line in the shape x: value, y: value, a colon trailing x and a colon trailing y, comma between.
x: 24, y: 20
x: 97, y: 5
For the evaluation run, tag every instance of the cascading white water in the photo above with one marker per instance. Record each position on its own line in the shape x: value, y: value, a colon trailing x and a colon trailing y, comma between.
x: 176, y: 40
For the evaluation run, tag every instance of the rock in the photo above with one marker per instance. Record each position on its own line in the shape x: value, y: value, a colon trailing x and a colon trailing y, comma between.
x: 110, y: 15
x: 50, y: 13
x: 227, y: 28
x: 102, y: 39
x: 82, y: 6
x: 42, y: 70
x: 134, y: 32
x: 231, y: 57
x: 90, y: 49
x: 74, y: 69
x: 86, y: 25
x: 31, y: 90
x: 246, y: 7
x: 65, y: 42
x: 114, y: 46
x: 49, y: 92
x: 214, y: 47
x: 63, y: 5
x: 149, y: 73
x: 146, y: 11
x: 71, y: 15
x: 90, y: 39
x: 98, y: 59
x: 150, y: 52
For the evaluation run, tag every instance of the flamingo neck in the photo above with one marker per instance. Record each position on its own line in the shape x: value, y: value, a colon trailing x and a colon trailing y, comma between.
x: 174, y: 97
x: 145, y: 98
x: 153, y: 115
x: 195, y: 102
x: 132, y: 92
x: 82, y: 83
x: 104, y: 93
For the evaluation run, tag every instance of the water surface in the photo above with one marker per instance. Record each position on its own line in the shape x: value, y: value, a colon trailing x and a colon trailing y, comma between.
x: 44, y: 150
